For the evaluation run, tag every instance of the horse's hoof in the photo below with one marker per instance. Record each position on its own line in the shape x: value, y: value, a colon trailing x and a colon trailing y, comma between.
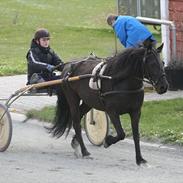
x: 145, y: 165
x: 86, y: 153
x: 106, y: 145
x: 77, y: 153
x: 75, y: 146
x: 87, y: 157
x: 141, y: 162
x: 74, y: 143
x: 108, y: 141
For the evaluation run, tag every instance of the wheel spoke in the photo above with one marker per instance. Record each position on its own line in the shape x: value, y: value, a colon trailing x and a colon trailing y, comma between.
x: 5, y: 128
x: 96, y: 126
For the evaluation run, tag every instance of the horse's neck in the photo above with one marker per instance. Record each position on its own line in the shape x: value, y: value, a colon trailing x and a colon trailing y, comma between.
x: 129, y: 69
x: 127, y: 73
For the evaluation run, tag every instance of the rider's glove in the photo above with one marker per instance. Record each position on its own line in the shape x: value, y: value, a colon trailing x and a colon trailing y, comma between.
x: 61, y: 67
x: 50, y: 68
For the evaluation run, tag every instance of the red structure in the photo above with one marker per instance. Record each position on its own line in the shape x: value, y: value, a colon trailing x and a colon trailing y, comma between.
x: 176, y: 15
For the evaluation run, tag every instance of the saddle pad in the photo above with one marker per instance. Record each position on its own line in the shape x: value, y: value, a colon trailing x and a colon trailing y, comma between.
x: 96, y: 85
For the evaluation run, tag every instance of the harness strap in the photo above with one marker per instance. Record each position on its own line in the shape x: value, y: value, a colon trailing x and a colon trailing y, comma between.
x: 95, y: 82
x: 122, y: 92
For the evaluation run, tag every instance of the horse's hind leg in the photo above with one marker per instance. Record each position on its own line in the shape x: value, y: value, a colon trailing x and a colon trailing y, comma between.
x: 118, y: 127
x: 83, y: 108
x: 75, y: 113
x: 135, y: 117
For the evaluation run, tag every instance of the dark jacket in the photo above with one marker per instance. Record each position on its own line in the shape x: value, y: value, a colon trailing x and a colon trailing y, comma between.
x: 38, y: 59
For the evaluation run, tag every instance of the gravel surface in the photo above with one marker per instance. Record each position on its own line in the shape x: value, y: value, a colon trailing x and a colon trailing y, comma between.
x: 34, y: 156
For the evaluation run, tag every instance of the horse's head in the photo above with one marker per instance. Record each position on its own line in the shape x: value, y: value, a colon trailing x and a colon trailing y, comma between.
x: 154, y: 69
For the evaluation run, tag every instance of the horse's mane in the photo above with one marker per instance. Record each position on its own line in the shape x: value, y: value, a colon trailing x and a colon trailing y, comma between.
x: 125, y: 63
x: 120, y: 66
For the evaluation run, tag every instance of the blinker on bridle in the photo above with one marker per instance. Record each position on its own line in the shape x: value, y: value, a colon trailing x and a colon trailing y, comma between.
x: 150, y: 80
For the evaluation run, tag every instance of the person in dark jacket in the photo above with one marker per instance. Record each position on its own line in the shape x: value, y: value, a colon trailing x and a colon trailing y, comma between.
x: 130, y: 31
x: 41, y: 59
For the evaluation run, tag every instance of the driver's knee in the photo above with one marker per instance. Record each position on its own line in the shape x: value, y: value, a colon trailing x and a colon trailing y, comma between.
x: 36, y: 78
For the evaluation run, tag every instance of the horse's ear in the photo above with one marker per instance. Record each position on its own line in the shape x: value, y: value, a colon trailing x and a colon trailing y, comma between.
x: 147, y: 44
x: 159, y: 49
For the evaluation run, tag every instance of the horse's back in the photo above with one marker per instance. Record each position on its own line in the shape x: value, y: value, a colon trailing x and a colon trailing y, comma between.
x: 81, y: 87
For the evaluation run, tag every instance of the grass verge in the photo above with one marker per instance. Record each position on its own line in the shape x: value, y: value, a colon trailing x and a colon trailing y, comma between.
x: 77, y: 28
x: 159, y: 119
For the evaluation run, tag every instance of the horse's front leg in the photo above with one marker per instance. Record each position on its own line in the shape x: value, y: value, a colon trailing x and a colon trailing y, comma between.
x: 118, y: 127
x: 135, y: 118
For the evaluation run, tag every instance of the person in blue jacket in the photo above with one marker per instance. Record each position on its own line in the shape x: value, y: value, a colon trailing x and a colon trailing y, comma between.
x: 130, y: 31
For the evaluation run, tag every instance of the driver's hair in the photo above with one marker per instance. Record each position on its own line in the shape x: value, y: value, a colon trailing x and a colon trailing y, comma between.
x: 111, y: 18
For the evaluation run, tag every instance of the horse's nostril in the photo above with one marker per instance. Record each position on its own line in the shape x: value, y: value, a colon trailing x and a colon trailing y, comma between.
x: 163, y: 89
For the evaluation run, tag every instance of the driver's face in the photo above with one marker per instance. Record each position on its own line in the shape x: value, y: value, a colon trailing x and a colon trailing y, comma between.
x: 44, y: 42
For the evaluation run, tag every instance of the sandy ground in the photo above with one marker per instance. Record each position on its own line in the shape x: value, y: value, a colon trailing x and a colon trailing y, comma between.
x: 35, y: 157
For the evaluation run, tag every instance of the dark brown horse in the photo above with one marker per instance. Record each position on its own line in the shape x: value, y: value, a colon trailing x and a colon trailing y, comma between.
x: 120, y: 95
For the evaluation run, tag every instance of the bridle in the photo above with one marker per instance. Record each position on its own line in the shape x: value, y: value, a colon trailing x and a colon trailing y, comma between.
x: 146, y: 73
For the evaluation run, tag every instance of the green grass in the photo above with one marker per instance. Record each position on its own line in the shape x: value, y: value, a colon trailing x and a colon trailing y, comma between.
x: 46, y: 114
x: 74, y: 26
x: 77, y: 28
x: 159, y: 120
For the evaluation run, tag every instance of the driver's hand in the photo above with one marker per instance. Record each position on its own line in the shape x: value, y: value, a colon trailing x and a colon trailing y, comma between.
x: 61, y: 67
x: 50, y: 68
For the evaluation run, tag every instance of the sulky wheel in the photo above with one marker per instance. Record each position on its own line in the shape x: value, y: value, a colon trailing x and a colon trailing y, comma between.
x: 5, y: 128
x: 96, y: 126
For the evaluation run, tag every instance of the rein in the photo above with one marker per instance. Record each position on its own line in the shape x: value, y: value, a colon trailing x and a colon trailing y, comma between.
x: 150, y: 81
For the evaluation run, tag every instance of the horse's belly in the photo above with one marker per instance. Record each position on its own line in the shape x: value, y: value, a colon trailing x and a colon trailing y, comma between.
x: 90, y: 97
x: 121, y: 103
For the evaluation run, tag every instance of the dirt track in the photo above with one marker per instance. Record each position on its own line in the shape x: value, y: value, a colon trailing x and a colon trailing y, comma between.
x: 33, y: 156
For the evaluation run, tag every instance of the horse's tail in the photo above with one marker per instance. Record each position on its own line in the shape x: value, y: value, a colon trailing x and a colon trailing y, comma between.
x: 62, y: 120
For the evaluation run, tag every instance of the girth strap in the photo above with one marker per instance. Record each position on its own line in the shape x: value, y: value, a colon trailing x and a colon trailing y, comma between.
x: 95, y: 82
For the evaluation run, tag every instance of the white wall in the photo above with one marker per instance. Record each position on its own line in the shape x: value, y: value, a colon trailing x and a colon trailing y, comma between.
x: 165, y: 32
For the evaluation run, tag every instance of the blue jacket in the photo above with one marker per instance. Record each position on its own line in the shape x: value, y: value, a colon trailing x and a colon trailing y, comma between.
x: 130, y: 31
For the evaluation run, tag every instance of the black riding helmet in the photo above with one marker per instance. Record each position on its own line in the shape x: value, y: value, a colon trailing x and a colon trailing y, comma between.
x: 40, y: 33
